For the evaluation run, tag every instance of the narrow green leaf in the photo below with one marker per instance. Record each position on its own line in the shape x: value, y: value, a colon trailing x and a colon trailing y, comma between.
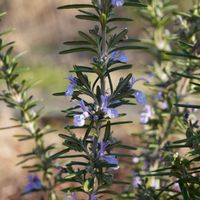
x: 188, y: 106
x: 58, y: 154
x: 120, y: 19
x: 88, y: 17
x: 77, y: 42
x: 107, y: 132
x: 184, y: 190
x: 76, y: 6
x: 122, y: 48
x: 121, y: 67
x: 123, y: 146
x: 88, y: 38
x: 88, y: 131
x: 81, y: 49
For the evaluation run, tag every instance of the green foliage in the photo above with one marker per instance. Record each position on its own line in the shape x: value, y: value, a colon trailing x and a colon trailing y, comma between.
x: 17, y: 98
x: 170, y: 172
x: 166, y: 164
x: 93, y: 173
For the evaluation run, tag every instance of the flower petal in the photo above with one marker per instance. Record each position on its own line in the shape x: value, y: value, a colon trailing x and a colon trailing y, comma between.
x: 119, y: 56
x: 110, y: 159
x: 140, y: 97
x: 70, y: 90
x: 144, y: 118
x: 112, y: 113
x: 79, y: 120
x: 33, y: 184
x: 82, y: 105
x: 117, y: 3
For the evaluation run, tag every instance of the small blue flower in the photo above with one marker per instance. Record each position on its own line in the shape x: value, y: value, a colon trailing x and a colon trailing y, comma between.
x: 136, y: 181
x: 164, y: 105
x: 72, y: 85
x: 117, y: 3
x: 93, y: 197
x: 79, y: 120
x: 33, y: 184
x: 146, y: 115
x: 135, y: 80
x: 108, y: 158
x: 139, y: 95
x: 119, y: 56
x: 110, y: 112
x: 83, y: 107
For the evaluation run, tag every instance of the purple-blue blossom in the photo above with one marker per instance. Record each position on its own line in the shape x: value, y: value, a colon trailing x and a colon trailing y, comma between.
x: 117, y: 3
x: 136, y: 181
x: 79, y: 120
x: 93, y: 197
x: 72, y: 85
x: 146, y: 115
x: 164, y: 105
x: 110, y: 112
x: 108, y: 158
x: 139, y: 95
x: 119, y: 56
x: 33, y: 184
x: 135, y: 160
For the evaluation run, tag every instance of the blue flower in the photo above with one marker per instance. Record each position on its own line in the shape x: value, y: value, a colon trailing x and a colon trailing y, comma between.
x: 117, y: 3
x: 164, y: 105
x: 72, y: 85
x: 139, y: 95
x: 93, y: 197
x: 108, y: 158
x: 135, y: 80
x: 146, y: 115
x: 136, y: 181
x: 79, y: 120
x: 119, y: 56
x: 33, y: 184
x: 110, y: 112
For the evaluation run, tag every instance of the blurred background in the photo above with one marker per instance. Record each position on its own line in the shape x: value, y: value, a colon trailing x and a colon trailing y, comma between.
x: 39, y: 30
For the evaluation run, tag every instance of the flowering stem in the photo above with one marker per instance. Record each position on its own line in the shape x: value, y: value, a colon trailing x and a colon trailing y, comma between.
x: 16, y: 97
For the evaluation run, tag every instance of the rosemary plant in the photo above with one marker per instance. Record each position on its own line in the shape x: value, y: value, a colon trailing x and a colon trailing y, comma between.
x: 166, y: 164
x: 162, y: 119
x: 16, y: 96
x: 96, y: 103
x: 184, y: 167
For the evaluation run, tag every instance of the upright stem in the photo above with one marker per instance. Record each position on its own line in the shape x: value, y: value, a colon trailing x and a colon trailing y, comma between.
x: 104, y: 45
x: 95, y: 138
x: 103, y: 56
x: 103, y: 53
x: 27, y: 121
